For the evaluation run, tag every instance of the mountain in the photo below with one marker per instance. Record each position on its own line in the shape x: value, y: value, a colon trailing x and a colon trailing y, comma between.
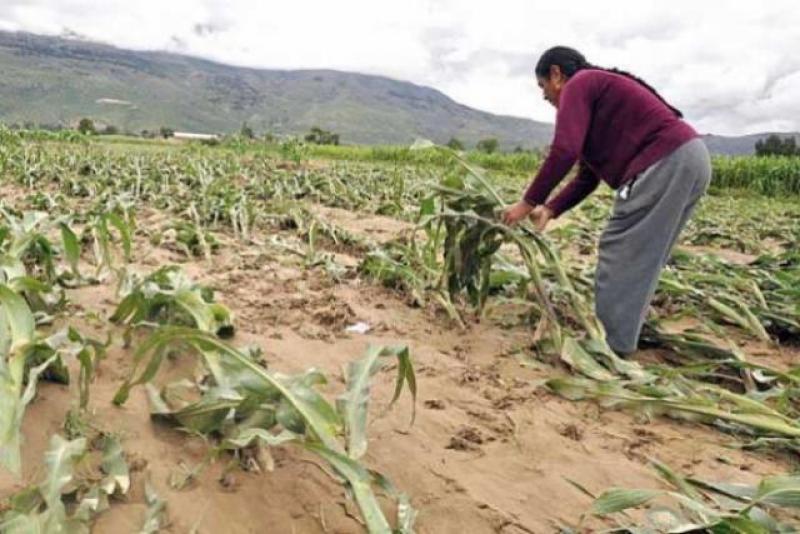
x: 57, y: 81
x: 53, y: 80
x: 741, y: 145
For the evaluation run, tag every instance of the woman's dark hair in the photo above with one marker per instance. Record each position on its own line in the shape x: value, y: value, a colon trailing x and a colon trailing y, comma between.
x: 571, y: 61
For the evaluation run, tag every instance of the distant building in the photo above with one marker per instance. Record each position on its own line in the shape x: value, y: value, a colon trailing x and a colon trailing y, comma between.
x: 195, y: 136
x: 113, y: 102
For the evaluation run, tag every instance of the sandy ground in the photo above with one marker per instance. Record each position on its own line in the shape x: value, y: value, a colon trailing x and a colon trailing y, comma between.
x: 490, y: 452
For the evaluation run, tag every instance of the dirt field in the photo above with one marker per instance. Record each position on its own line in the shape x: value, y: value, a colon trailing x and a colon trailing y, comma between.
x: 490, y: 451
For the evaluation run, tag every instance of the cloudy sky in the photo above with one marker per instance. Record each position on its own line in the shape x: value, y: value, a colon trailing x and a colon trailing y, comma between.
x: 732, y: 66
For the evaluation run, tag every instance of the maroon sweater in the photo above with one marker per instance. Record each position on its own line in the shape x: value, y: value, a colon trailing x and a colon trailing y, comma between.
x: 614, y: 127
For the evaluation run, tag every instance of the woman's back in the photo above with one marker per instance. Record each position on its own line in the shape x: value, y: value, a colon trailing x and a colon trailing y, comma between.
x: 628, y: 127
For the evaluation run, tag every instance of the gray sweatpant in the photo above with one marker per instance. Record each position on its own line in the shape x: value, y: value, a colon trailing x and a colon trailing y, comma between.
x: 636, y: 243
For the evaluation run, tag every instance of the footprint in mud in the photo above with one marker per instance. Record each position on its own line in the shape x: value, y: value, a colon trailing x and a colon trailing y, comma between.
x: 499, y: 426
x: 313, y: 331
x: 470, y: 375
x: 571, y: 431
x: 636, y: 448
x: 467, y: 438
x: 334, y: 314
x: 434, y: 404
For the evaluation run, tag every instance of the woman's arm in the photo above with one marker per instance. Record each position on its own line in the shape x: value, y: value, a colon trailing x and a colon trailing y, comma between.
x: 572, y: 124
x: 574, y: 192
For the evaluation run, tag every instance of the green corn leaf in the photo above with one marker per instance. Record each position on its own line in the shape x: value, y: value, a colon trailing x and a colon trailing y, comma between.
x: 155, y: 517
x: 115, y: 467
x: 579, y: 359
x: 88, y: 356
x: 10, y: 268
x: 676, y: 480
x: 780, y: 491
x: 668, y: 520
x: 742, y: 492
x: 619, y: 499
x: 102, y: 244
x: 167, y: 295
x: 204, y: 416
x: 616, y: 393
x: 354, y: 404
x: 744, y: 318
x: 360, y: 482
x: 44, y: 512
x: 754, y: 325
x: 738, y: 525
x: 406, y: 514
x: 19, y: 322
x: 320, y: 417
x: 60, y: 460
x: 251, y: 436
x: 125, y: 234
x: 72, y: 248
x: 12, y: 410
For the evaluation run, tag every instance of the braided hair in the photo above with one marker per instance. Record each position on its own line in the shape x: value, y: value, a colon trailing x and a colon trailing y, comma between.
x: 571, y: 61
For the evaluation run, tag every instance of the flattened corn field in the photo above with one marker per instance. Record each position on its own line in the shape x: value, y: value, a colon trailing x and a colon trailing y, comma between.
x: 282, y: 338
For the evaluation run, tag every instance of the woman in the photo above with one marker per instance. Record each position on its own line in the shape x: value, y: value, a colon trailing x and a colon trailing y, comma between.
x: 619, y: 130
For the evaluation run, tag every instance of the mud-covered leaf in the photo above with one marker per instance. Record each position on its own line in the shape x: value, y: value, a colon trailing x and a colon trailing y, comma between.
x: 115, y: 467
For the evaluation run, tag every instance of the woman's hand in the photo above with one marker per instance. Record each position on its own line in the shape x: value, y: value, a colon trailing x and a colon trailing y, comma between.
x: 515, y: 213
x: 540, y: 216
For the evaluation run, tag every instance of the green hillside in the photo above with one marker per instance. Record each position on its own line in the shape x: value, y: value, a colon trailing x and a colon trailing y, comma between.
x: 49, y: 80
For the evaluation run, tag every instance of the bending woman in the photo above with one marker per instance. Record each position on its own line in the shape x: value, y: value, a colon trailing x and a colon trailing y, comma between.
x: 619, y: 130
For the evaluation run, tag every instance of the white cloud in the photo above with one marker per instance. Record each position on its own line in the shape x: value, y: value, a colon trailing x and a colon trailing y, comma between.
x: 733, y: 67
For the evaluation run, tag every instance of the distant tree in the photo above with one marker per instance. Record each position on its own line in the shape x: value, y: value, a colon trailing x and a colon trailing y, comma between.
x: 775, y: 146
x: 166, y: 132
x: 790, y: 147
x: 488, y: 145
x: 455, y: 144
x: 110, y: 130
x: 318, y: 136
x: 247, y: 131
x: 518, y: 149
x: 86, y: 126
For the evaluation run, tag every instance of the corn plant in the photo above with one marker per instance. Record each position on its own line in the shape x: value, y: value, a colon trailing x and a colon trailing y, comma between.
x: 726, y: 222
x: 188, y: 238
x: 463, y: 245
x: 399, y: 266
x: 16, y: 348
x: 169, y: 296
x: 243, y: 404
x: 26, y: 248
x: 156, y: 516
x: 101, y: 235
x: 701, y: 506
x: 683, y: 399
x: 45, y: 507
x: 26, y: 244
x: 465, y: 227
x: 458, y: 257
x: 760, y: 299
x: 25, y: 356
x: 771, y: 175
